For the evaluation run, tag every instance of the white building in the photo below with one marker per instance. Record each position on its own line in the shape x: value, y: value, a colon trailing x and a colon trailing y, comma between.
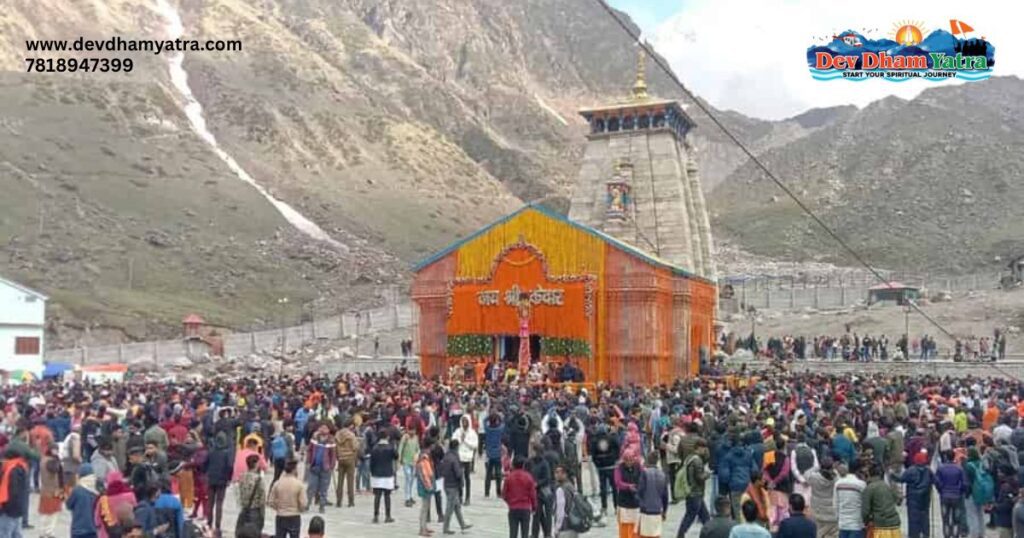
x: 22, y: 328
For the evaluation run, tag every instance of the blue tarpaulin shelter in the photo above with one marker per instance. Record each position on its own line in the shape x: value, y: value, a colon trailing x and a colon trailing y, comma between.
x: 55, y: 369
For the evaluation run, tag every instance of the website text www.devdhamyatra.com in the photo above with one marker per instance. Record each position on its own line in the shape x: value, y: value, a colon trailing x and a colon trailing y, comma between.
x: 44, y: 62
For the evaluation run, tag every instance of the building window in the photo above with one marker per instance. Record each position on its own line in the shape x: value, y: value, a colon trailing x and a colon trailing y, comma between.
x: 26, y: 345
x: 30, y: 298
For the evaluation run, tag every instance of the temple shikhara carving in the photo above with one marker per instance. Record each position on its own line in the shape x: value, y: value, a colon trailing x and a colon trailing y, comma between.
x: 623, y: 290
x: 638, y: 181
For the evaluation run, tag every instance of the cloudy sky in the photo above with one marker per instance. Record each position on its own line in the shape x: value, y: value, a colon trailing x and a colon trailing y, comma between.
x: 749, y: 55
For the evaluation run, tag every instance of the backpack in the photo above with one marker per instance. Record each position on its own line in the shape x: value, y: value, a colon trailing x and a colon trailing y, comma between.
x: 571, y: 457
x: 579, y: 514
x: 167, y: 516
x: 682, y: 487
x: 279, y: 448
x: 151, y: 476
x: 983, y: 487
x: 194, y: 529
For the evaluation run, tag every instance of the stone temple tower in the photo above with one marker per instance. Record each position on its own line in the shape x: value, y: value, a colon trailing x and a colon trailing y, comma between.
x: 638, y: 181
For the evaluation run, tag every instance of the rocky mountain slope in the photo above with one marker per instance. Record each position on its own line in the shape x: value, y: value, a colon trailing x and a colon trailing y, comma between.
x: 931, y: 184
x: 396, y: 127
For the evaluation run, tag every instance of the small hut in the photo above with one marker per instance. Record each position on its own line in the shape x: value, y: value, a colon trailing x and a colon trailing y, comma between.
x: 192, y: 326
x: 897, y: 292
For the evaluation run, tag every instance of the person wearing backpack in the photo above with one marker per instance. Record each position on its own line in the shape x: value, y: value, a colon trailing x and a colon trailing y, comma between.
x: 251, y: 497
x: 981, y: 493
x: 573, y: 451
x: 169, y: 510
x: 281, y: 450
x: 690, y: 481
x: 564, y: 493
x: 321, y: 459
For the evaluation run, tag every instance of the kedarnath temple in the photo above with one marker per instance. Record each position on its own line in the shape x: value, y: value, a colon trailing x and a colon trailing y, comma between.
x: 624, y: 288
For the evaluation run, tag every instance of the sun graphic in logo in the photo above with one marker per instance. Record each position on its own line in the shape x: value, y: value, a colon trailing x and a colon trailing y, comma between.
x: 908, y: 32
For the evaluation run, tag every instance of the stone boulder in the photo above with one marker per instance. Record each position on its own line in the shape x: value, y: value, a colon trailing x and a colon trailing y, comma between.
x: 142, y: 364
x: 176, y: 362
x: 742, y: 355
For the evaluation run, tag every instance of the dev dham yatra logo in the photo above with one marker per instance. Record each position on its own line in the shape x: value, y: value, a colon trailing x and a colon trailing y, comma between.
x: 940, y: 56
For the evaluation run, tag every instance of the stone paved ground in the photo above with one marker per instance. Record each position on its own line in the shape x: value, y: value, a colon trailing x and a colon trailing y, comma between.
x: 488, y: 517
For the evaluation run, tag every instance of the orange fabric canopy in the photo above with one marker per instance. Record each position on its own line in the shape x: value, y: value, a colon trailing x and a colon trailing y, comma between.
x: 558, y: 308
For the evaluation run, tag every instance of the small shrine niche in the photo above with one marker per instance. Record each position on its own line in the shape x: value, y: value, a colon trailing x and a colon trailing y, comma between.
x: 619, y: 190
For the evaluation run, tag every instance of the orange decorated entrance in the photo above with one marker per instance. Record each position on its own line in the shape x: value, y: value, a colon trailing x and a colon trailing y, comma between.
x: 619, y: 314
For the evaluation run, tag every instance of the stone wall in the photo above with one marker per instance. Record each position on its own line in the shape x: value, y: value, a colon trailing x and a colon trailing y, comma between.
x: 1011, y: 369
x: 666, y: 214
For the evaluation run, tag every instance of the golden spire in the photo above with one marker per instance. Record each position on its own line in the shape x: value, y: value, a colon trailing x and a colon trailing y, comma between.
x: 640, y: 86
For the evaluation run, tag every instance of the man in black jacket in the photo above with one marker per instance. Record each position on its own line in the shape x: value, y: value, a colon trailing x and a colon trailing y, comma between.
x: 540, y: 468
x: 604, y: 450
x: 519, y: 434
x: 451, y: 472
x: 219, y: 467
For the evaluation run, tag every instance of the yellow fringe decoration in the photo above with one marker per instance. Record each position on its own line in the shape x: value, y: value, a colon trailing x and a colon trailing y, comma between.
x: 567, y: 250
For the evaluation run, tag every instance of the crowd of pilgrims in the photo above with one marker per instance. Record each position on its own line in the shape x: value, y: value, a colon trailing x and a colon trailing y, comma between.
x: 854, y: 347
x: 787, y: 454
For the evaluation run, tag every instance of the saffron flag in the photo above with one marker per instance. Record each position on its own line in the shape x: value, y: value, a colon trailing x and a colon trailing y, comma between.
x: 959, y: 27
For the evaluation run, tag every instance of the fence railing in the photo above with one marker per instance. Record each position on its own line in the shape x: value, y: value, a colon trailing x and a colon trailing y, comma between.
x: 766, y: 293
x: 370, y: 322
x: 761, y: 292
x: 864, y: 279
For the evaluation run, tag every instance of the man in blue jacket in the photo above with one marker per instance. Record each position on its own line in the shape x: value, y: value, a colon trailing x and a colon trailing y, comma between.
x: 169, y: 510
x: 842, y: 447
x: 720, y: 449
x: 82, y: 502
x: 738, y: 468
x: 494, y: 432
x: 919, y: 481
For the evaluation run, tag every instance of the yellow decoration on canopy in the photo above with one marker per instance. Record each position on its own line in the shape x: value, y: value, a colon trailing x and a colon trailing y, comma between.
x: 567, y: 250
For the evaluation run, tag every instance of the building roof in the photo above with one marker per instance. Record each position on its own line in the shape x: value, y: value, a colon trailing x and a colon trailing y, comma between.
x: 892, y: 286
x: 621, y: 245
x: 25, y: 289
x: 639, y: 98
x: 193, y: 319
x: 105, y: 368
